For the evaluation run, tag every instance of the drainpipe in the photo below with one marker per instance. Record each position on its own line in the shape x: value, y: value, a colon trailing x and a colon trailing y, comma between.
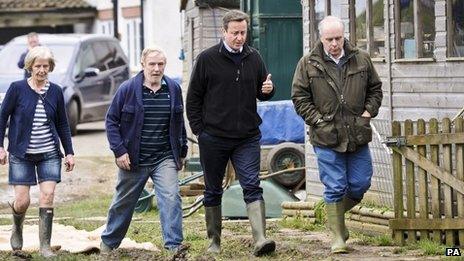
x: 115, y: 19
x: 142, y: 37
x: 389, y: 59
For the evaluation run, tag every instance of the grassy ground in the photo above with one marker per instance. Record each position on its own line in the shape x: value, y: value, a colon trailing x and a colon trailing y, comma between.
x: 297, y: 238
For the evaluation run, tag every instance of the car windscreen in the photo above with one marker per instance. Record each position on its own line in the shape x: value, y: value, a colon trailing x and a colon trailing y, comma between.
x: 9, y: 57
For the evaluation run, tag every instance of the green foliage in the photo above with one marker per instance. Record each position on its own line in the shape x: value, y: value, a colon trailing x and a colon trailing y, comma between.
x: 430, y: 248
x: 319, y: 212
x: 381, y: 240
x: 90, y: 207
x: 300, y: 222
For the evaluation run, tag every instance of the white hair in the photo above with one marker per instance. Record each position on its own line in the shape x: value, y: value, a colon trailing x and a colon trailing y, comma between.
x: 152, y: 49
x: 330, y: 20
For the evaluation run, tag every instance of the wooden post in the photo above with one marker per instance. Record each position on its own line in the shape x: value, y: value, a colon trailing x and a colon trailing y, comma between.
x: 447, y: 191
x: 410, y: 185
x: 434, y: 182
x: 423, y: 184
x: 459, y: 127
x: 398, y: 185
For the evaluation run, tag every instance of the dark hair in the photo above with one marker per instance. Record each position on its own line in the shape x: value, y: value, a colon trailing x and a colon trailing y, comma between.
x: 234, y: 16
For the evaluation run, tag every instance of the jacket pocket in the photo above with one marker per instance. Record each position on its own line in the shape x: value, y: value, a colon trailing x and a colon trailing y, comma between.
x: 178, y: 113
x: 363, y: 130
x: 325, y: 133
x: 127, y: 113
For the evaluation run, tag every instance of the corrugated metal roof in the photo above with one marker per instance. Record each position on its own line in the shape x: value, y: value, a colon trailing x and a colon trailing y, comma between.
x: 42, y: 5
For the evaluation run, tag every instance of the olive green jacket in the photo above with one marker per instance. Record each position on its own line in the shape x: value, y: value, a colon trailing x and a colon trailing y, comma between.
x: 337, y: 96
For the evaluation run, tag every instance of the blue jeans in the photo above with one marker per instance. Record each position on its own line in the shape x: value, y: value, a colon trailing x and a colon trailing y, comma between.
x: 215, y: 152
x: 47, y: 165
x: 129, y: 186
x: 344, y: 174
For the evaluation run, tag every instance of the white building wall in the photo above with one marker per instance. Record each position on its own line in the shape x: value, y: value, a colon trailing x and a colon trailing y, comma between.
x: 163, y: 28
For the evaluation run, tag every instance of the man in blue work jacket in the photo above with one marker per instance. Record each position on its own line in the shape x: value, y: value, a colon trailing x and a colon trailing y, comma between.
x: 145, y: 129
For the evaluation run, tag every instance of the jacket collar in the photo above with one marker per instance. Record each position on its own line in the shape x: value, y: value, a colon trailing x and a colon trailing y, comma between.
x: 318, y: 53
x: 247, y: 50
x: 138, y: 81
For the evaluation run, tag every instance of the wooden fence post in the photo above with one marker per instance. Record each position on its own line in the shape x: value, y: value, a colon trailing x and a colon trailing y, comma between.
x: 410, y: 185
x: 434, y: 182
x: 397, y: 185
x: 423, y: 184
x: 459, y: 127
x: 447, y: 191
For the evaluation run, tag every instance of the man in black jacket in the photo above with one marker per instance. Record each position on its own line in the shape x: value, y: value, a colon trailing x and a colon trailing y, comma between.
x: 221, y: 108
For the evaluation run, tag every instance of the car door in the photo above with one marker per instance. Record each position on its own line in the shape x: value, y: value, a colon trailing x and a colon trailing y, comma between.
x: 118, y: 66
x: 92, y: 81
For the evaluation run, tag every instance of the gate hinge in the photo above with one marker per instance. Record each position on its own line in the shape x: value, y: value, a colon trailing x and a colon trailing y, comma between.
x: 396, y: 141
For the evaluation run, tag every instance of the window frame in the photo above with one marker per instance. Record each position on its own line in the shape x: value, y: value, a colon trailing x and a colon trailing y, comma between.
x: 450, y: 33
x: 369, y: 27
x: 418, y: 33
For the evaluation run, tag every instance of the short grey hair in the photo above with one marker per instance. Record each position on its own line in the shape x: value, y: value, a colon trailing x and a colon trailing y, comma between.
x: 39, y: 52
x: 152, y: 49
x: 32, y: 34
x: 330, y: 20
x: 234, y: 16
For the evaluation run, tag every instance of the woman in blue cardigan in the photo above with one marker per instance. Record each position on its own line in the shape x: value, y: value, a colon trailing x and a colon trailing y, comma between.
x: 36, y: 110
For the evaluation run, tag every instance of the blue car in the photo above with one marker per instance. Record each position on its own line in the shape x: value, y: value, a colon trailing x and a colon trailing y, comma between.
x: 89, y: 68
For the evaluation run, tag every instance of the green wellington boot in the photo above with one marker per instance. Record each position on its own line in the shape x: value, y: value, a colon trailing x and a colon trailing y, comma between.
x: 16, y: 239
x: 336, y: 224
x: 256, y: 215
x: 348, y: 204
x: 45, y: 231
x: 213, y: 218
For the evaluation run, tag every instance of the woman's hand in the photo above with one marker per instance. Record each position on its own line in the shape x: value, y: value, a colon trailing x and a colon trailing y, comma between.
x: 69, y: 162
x: 3, y: 159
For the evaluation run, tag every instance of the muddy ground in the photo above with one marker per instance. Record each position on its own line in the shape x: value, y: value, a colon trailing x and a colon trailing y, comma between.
x: 95, y: 174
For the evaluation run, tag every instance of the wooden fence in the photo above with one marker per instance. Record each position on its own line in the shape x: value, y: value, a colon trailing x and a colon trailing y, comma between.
x: 433, y: 191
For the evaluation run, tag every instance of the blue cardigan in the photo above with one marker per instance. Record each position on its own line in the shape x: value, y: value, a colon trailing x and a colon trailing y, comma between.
x: 124, y: 120
x: 19, y: 105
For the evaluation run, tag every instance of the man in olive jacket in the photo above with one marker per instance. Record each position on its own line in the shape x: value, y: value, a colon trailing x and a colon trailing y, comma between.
x: 336, y: 91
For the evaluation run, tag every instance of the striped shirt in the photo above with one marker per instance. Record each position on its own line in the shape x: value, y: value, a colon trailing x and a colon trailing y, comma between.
x: 155, y: 145
x: 41, y: 136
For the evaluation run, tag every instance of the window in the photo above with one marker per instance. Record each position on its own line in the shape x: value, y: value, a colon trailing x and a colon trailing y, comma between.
x: 318, y: 10
x: 116, y: 56
x: 369, y: 29
x: 455, y: 30
x: 414, y: 28
x: 86, y: 59
x: 131, y: 42
x: 102, y: 54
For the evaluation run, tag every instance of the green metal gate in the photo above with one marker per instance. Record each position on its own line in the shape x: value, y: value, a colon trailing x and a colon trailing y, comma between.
x: 277, y: 32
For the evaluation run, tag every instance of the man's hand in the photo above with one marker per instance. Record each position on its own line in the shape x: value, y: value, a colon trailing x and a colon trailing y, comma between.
x: 69, y: 162
x: 267, y: 85
x: 3, y: 159
x: 366, y: 114
x: 123, y: 162
x: 182, y: 163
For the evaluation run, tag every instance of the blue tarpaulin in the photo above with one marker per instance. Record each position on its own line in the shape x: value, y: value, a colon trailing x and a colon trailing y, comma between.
x: 280, y: 123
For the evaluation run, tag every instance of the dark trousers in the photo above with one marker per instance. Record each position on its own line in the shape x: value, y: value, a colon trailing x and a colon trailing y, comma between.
x: 215, y: 152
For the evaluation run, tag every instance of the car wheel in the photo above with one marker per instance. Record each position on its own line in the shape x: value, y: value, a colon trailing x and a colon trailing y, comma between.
x: 73, y: 116
x: 285, y: 156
